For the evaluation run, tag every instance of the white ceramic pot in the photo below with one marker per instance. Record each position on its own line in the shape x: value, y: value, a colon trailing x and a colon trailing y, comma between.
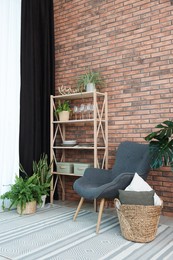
x: 43, y: 198
x: 90, y: 87
x: 64, y: 115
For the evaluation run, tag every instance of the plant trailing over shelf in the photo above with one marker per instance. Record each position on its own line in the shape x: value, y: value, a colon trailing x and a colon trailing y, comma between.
x: 161, y: 145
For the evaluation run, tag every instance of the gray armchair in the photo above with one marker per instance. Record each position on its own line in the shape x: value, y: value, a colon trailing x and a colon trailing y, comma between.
x: 102, y: 184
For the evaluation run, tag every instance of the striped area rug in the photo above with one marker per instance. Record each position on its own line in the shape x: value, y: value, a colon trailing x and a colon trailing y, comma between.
x: 51, y: 234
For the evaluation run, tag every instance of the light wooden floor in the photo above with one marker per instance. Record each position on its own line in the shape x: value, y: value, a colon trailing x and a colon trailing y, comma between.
x: 89, y: 206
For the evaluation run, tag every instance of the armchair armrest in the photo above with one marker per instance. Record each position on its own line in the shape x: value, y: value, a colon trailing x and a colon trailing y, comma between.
x: 124, y: 178
x: 110, y: 190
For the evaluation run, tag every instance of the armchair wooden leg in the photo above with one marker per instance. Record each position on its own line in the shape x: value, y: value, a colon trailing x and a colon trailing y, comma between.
x: 78, y: 208
x: 100, y: 215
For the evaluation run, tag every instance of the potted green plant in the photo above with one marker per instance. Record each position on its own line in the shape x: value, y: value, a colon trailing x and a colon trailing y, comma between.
x: 24, y: 194
x: 43, y: 172
x: 89, y: 81
x: 161, y: 145
x: 63, y: 110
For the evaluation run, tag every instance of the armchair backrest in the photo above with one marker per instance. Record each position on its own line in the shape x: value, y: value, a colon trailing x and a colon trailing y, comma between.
x: 132, y: 157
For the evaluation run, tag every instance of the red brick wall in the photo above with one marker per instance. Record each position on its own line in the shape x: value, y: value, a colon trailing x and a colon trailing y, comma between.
x: 131, y: 44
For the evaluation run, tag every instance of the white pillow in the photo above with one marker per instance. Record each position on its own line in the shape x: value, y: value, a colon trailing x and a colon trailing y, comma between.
x: 138, y: 184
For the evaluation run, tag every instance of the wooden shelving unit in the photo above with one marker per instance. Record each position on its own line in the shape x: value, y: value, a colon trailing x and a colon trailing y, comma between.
x: 98, y: 122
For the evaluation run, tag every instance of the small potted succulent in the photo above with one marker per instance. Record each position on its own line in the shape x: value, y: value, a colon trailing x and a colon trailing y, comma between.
x: 89, y: 81
x: 63, y: 110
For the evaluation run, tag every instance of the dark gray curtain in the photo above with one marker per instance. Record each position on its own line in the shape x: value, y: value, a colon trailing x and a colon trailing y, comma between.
x: 37, y: 79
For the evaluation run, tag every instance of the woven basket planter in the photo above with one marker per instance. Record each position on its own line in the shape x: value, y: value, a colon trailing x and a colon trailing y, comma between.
x: 30, y: 208
x: 138, y: 223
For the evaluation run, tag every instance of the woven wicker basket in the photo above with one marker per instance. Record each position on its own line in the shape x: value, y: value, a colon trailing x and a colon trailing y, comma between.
x: 138, y: 223
x: 30, y: 208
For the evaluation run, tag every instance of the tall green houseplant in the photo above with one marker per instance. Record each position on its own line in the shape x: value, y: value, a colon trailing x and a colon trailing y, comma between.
x: 161, y: 145
x: 42, y: 169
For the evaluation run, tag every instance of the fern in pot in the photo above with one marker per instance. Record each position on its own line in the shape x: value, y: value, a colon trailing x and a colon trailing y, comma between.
x: 23, y: 194
x: 27, y: 192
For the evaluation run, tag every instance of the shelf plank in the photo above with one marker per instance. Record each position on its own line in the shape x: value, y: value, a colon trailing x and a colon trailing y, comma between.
x: 73, y: 121
x: 79, y: 95
x: 78, y: 148
x: 77, y: 121
x: 67, y: 174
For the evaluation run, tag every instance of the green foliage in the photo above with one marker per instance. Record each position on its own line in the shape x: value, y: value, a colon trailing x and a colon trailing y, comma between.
x: 22, y: 191
x: 90, y: 77
x: 43, y: 171
x: 161, y: 145
x: 65, y: 106
x: 31, y: 188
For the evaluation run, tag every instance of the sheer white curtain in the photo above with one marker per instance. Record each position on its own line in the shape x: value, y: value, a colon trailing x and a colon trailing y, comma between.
x: 10, y: 24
